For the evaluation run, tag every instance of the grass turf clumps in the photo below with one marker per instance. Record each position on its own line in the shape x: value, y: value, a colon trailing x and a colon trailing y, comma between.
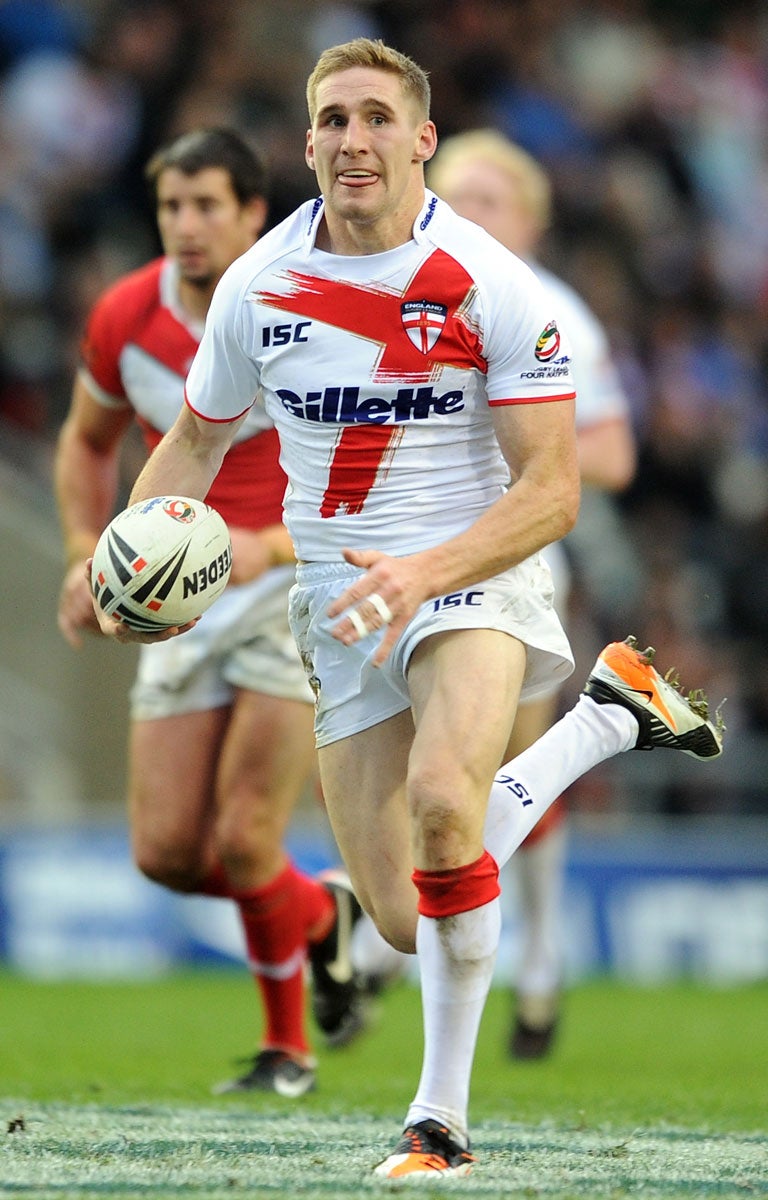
x: 69, y: 1151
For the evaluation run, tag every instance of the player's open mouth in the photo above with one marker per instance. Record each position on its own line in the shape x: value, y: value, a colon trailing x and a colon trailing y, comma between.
x: 356, y: 178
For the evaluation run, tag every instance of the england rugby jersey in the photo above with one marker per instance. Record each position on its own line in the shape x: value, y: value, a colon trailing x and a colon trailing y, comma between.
x: 380, y: 373
x: 137, y: 349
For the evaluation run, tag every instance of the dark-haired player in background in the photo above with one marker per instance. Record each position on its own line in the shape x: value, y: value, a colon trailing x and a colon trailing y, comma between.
x: 221, y: 720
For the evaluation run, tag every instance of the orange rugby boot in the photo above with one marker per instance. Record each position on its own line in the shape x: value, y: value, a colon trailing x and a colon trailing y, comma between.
x: 625, y: 675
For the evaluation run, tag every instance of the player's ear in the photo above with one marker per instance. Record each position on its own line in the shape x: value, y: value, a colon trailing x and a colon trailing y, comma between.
x: 426, y: 142
x: 256, y: 210
x: 309, y: 153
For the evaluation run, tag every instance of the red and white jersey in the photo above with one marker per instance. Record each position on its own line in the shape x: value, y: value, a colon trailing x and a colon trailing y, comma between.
x: 380, y: 373
x: 137, y: 349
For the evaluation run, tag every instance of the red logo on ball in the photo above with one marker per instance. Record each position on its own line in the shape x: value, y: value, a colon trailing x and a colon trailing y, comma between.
x: 180, y: 510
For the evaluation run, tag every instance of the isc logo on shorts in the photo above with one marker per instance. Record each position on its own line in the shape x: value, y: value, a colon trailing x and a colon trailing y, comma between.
x: 456, y: 599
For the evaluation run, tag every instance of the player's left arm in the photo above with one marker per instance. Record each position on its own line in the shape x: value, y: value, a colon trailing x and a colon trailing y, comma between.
x: 607, y: 456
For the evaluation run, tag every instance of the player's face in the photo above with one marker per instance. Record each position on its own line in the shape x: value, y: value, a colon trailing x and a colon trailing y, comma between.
x: 202, y: 223
x: 488, y: 195
x: 367, y: 146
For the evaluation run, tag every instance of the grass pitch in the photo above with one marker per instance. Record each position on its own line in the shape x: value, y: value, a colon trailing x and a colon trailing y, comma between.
x: 105, y: 1091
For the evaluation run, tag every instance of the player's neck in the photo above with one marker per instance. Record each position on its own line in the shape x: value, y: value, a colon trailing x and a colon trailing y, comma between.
x: 339, y: 236
x: 195, y: 298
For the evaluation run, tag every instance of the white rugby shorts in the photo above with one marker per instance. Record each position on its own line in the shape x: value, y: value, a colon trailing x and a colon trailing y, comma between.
x: 557, y: 560
x: 351, y: 694
x: 242, y: 641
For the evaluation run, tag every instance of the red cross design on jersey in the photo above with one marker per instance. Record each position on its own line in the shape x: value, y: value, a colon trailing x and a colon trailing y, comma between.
x: 406, y: 355
x: 378, y: 315
x: 361, y: 453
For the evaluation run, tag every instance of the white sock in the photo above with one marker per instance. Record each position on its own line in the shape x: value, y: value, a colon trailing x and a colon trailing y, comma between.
x: 373, y: 955
x: 456, y: 956
x: 539, y: 869
x: 525, y: 787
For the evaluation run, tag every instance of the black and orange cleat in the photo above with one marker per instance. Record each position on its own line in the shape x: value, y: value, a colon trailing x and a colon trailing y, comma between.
x: 426, y: 1150
x: 625, y: 675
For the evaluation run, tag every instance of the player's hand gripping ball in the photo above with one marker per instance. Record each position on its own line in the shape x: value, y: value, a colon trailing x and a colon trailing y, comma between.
x: 161, y: 562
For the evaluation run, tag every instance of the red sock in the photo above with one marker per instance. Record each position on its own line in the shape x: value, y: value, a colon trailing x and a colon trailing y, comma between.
x: 317, y: 905
x: 275, y: 920
x: 459, y: 889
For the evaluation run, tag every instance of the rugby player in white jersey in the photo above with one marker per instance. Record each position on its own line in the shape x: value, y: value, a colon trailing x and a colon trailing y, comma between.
x: 221, y: 721
x: 495, y: 183
x: 396, y: 346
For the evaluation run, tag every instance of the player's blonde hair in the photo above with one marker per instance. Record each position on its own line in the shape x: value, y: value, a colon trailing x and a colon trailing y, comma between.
x: 367, y: 52
x: 491, y: 146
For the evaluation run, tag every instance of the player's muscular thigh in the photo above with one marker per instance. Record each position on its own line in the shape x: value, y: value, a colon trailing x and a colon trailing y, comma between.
x: 460, y: 738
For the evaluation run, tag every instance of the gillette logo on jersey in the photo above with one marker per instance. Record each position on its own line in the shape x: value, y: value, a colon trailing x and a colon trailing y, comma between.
x: 352, y: 405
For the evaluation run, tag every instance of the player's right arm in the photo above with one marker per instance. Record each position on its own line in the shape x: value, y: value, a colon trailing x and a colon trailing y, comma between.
x: 187, y: 460
x: 86, y: 477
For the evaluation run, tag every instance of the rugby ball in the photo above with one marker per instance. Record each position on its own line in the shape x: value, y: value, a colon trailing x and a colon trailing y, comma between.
x: 161, y: 562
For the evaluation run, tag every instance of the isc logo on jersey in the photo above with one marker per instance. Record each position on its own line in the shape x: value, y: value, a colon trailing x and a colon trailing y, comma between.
x: 345, y: 405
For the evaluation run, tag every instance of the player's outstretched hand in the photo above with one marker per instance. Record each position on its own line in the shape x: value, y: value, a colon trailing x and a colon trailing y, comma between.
x: 76, y: 616
x: 111, y: 625
x: 389, y: 593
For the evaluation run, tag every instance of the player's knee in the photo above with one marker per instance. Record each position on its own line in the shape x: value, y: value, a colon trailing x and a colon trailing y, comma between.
x: 177, y: 867
x: 438, y: 816
x: 243, y: 846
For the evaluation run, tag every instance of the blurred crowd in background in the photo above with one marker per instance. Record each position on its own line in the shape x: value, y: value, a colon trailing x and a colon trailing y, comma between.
x: 652, y: 121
